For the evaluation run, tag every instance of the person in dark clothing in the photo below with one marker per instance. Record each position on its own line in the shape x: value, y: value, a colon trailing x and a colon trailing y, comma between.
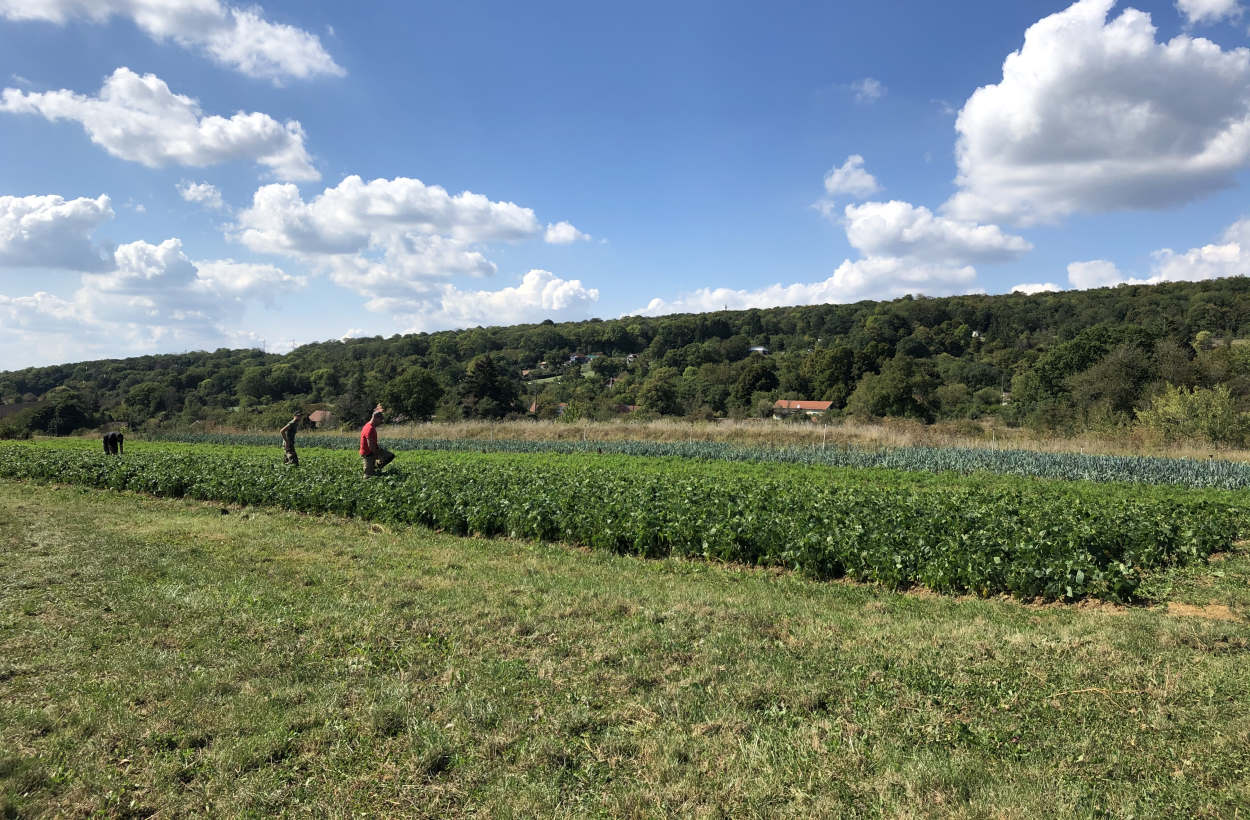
x: 113, y: 443
x: 288, y: 440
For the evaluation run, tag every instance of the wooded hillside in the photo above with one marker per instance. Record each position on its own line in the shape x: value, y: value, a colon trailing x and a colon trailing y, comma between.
x: 1157, y: 354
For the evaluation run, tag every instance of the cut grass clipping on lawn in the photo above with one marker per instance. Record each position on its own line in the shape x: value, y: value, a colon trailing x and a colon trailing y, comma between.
x: 160, y: 657
x: 982, y: 534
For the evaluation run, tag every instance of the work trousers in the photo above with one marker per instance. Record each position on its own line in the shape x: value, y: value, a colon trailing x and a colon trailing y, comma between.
x: 377, y: 460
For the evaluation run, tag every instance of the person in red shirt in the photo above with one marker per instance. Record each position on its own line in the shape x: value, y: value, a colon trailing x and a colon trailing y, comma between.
x: 375, y: 457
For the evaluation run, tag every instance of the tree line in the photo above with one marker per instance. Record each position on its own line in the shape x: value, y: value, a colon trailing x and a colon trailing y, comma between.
x: 1158, y: 354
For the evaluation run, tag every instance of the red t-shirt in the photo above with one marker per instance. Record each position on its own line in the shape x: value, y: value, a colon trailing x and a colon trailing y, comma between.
x: 368, y: 439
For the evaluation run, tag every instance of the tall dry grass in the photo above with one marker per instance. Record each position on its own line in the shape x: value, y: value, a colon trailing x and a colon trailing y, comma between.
x: 888, y: 433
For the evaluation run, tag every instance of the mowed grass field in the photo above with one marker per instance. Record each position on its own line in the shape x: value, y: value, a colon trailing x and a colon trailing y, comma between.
x: 173, y: 657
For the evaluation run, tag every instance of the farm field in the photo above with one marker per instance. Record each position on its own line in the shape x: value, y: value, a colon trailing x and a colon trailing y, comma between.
x: 982, y: 533
x: 1070, y: 466
x: 161, y: 656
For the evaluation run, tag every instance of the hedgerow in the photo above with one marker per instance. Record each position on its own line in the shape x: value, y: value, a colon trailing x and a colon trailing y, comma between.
x: 1052, y: 540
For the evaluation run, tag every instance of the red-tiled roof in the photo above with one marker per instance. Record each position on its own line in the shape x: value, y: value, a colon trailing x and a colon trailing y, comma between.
x: 795, y: 404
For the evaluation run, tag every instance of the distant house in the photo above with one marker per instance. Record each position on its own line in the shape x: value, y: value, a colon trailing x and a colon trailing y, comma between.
x: 322, y: 418
x: 760, y: 349
x: 789, y: 407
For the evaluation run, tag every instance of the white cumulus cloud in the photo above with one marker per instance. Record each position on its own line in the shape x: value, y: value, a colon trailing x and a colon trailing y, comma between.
x: 52, y: 232
x: 1041, y: 287
x: 852, y: 179
x: 407, y: 265
x: 901, y: 229
x: 202, y: 193
x: 870, y: 278
x: 154, y: 297
x: 540, y: 295
x: 239, y: 38
x: 1094, y: 114
x: 868, y: 90
x: 563, y: 233
x: 150, y: 285
x: 40, y: 311
x: 386, y: 237
x: 1230, y: 256
x: 355, y: 214
x: 226, y: 278
x: 138, y: 118
x: 1096, y: 273
x: 1199, y: 12
x: 906, y: 250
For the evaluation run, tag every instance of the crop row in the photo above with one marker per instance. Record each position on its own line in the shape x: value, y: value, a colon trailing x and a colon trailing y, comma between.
x: 1035, y: 539
x: 1185, y: 472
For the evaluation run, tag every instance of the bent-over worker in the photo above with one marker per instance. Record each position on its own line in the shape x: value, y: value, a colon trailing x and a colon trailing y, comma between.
x: 113, y: 443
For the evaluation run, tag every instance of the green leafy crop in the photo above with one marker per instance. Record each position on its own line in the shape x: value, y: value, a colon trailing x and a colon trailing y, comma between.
x: 980, y: 535
x: 1185, y: 472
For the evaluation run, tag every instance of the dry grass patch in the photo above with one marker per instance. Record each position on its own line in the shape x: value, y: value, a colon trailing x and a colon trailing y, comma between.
x: 1214, y: 612
x: 887, y: 433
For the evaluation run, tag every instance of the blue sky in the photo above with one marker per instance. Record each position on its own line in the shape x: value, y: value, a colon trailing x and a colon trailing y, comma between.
x: 193, y: 174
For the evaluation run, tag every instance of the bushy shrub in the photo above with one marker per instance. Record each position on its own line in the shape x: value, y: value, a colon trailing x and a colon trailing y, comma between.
x: 1200, y: 413
x: 15, y: 427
